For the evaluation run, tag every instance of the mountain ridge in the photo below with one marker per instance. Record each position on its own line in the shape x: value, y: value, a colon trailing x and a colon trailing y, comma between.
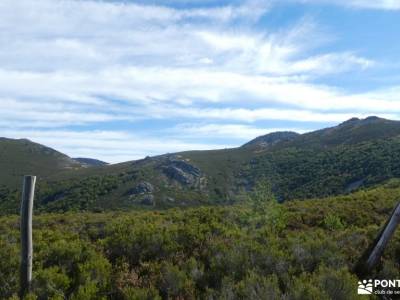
x: 331, y: 161
x: 90, y: 162
x: 271, y: 139
x: 22, y: 156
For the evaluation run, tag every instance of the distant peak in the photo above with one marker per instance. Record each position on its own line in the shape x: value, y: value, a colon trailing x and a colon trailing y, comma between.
x: 90, y: 162
x: 272, y: 138
x: 372, y: 118
x: 352, y: 120
x: 367, y: 120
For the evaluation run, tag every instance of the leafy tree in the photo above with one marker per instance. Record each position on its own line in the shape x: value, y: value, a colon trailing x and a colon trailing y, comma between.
x: 265, y: 206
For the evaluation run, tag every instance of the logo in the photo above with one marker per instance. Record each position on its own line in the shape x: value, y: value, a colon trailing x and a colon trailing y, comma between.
x: 379, y: 287
x: 365, y: 287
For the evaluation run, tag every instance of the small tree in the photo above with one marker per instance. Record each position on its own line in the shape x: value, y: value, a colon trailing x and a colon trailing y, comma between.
x: 266, y: 208
x: 261, y: 196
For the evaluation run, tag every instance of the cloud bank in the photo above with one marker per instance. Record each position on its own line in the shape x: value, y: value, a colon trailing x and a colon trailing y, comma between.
x: 91, y: 77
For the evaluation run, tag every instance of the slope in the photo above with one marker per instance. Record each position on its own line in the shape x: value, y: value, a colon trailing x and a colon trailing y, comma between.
x: 19, y: 157
x: 337, y: 160
x: 206, y: 252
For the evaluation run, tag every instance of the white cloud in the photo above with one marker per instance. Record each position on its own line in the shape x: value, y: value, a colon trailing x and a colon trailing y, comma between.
x: 368, y: 4
x: 330, y: 63
x: 147, y: 87
x: 240, y: 132
x: 78, y: 63
x: 36, y: 113
x: 253, y: 115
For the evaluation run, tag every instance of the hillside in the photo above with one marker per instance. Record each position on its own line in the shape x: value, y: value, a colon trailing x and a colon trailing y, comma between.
x: 298, y: 250
x: 353, y: 131
x: 272, y: 139
x: 90, y: 162
x: 19, y: 157
x: 338, y: 160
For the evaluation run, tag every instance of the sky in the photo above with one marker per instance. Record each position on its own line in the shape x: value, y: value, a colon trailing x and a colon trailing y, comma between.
x: 121, y: 80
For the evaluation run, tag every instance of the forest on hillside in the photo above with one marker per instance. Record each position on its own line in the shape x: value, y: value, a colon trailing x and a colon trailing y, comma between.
x: 256, y: 250
x: 294, y: 173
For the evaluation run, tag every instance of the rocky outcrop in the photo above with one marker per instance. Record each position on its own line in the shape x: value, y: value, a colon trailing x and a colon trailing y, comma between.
x: 181, y: 171
x: 147, y: 200
x: 143, y: 187
x: 142, y: 194
x: 272, y: 139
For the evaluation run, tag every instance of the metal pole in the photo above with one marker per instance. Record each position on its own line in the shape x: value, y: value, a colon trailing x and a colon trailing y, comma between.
x: 26, y: 234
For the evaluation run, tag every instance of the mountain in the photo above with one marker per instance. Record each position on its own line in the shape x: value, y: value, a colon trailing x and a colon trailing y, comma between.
x: 90, y: 162
x: 349, y: 132
x: 21, y: 156
x: 331, y: 161
x: 338, y: 160
x: 272, y: 139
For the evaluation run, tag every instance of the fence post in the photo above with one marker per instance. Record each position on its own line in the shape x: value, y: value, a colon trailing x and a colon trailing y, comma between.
x: 374, y: 253
x: 26, y: 234
x: 384, y: 238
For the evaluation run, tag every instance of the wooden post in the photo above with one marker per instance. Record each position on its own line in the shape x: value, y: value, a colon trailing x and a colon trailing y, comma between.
x: 384, y: 238
x: 372, y: 256
x: 26, y: 234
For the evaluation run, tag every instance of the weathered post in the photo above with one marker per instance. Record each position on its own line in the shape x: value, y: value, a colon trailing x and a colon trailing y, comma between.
x: 384, y: 238
x: 26, y: 234
x: 373, y: 255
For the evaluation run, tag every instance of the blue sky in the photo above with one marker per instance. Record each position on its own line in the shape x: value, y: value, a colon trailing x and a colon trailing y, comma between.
x: 119, y: 80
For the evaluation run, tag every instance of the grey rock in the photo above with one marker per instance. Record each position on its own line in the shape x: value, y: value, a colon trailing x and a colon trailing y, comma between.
x: 181, y: 171
x: 148, y: 200
x: 142, y: 188
x: 179, y: 175
x: 186, y: 167
x: 170, y: 199
x: 272, y: 139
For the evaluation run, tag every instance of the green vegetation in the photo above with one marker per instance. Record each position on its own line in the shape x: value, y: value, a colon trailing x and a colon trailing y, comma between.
x: 295, y: 173
x: 301, y: 173
x: 331, y: 161
x: 260, y: 250
x: 23, y: 157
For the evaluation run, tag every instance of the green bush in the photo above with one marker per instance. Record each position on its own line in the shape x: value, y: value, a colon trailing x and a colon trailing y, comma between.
x: 205, y: 252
